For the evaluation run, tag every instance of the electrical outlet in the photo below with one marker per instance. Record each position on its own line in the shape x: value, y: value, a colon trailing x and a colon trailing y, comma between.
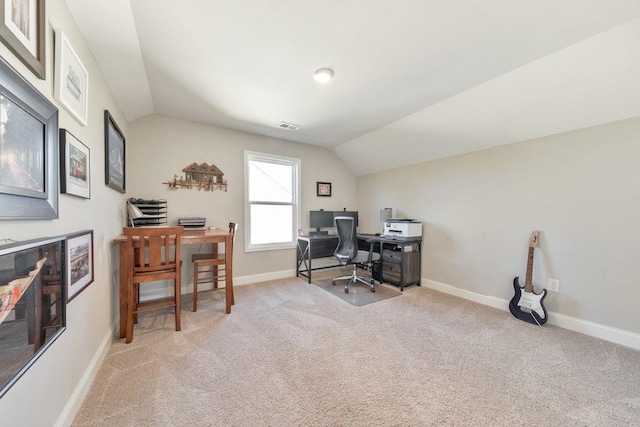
x: 553, y: 285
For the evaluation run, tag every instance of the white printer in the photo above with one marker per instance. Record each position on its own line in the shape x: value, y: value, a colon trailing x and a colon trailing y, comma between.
x: 402, y: 227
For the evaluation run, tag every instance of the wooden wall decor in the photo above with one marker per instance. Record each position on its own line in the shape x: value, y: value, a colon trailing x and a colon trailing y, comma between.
x: 201, y: 176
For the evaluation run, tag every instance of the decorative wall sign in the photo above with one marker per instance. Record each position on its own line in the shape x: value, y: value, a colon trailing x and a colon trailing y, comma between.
x: 22, y: 30
x: 323, y: 189
x: 200, y: 176
x: 71, y: 83
x: 75, y: 175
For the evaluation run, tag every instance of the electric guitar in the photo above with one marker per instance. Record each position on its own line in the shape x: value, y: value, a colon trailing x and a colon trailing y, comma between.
x: 525, y: 304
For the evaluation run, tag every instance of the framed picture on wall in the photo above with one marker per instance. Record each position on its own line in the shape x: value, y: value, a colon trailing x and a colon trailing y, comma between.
x: 71, y: 82
x: 323, y: 189
x: 33, y: 308
x: 75, y: 174
x: 79, y: 258
x: 22, y: 30
x: 114, y: 146
x: 28, y: 149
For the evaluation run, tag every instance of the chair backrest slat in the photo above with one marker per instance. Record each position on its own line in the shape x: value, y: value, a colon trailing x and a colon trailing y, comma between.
x: 147, y: 244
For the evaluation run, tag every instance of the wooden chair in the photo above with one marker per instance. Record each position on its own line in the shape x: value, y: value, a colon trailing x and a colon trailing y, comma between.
x: 212, y: 268
x: 155, y: 255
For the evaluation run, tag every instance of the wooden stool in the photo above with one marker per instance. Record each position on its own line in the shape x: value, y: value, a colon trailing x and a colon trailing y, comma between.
x: 212, y: 268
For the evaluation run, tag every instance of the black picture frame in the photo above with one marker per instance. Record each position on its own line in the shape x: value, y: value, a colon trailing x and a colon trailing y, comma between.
x: 323, y: 189
x: 33, y: 313
x: 11, y: 36
x: 79, y: 262
x: 33, y: 144
x: 114, y: 154
x: 75, y: 166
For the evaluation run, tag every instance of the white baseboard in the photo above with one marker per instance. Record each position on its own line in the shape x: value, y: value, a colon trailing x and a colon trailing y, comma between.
x: 187, y: 288
x: 75, y: 401
x: 607, y: 333
x: 256, y: 278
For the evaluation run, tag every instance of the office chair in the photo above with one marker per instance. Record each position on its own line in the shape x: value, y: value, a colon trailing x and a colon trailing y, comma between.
x: 211, y: 268
x: 347, y: 252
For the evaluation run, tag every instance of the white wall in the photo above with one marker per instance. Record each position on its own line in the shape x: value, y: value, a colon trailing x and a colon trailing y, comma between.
x: 40, y: 396
x: 161, y: 146
x: 580, y: 189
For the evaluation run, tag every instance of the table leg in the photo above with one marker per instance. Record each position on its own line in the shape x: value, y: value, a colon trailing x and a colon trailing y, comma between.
x: 125, y: 265
x: 228, y: 265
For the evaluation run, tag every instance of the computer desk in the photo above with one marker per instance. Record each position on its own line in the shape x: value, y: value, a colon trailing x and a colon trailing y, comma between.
x: 400, y: 267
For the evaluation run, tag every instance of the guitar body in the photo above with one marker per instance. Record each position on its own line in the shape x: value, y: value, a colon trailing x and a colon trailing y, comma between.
x: 527, y: 306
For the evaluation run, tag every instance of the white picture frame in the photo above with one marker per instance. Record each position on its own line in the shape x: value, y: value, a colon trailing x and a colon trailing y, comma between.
x: 71, y: 82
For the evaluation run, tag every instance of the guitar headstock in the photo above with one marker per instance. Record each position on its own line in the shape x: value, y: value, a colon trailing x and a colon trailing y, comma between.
x: 533, y: 240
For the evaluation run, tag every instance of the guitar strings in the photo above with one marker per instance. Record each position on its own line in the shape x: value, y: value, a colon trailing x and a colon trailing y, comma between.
x: 534, y: 318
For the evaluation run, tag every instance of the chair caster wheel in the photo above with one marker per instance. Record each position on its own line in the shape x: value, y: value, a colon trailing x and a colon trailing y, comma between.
x: 333, y: 282
x: 372, y: 281
x: 346, y: 291
x: 373, y: 289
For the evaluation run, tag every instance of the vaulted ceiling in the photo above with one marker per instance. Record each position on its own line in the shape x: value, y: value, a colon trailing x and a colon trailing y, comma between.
x: 415, y: 80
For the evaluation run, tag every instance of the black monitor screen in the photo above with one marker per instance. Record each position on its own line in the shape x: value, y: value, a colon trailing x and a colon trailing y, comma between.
x: 353, y: 214
x: 320, y: 219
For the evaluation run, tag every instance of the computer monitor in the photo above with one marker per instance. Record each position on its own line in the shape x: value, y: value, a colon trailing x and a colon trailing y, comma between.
x: 320, y: 219
x: 353, y: 214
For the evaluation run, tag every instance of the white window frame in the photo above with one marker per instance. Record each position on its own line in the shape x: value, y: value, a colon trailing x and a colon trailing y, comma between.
x: 271, y: 158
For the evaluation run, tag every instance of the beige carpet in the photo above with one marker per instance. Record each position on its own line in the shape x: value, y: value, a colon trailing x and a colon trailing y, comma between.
x: 291, y: 354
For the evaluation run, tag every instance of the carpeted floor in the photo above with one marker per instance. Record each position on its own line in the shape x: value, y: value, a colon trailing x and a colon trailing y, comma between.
x: 291, y: 354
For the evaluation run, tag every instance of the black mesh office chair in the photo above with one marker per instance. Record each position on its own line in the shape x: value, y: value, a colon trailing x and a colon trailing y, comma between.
x: 347, y: 252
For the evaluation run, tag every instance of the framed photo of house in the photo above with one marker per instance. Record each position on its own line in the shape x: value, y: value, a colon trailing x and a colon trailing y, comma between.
x: 28, y: 148
x: 22, y: 30
x: 323, y: 189
x: 79, y: 258
x: 75, y: 173
x: 71, y: 82
x: 114, y: 146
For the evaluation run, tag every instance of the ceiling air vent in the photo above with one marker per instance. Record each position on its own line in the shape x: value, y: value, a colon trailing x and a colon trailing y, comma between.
x: 287, y: 125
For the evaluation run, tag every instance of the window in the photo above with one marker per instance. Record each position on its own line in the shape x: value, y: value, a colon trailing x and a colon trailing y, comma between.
x: 272, y: 210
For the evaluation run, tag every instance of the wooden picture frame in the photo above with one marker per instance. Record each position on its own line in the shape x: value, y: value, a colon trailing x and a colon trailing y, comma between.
x: 79, y: 262
x: 114, y: 154
x: 23, y: 32
x: 71, y: 82
x: 323, y: 189
x: 75, y: 162
x: 29, y: 183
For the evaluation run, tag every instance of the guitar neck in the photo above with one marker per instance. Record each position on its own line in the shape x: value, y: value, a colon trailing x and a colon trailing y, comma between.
x: 528, y: 283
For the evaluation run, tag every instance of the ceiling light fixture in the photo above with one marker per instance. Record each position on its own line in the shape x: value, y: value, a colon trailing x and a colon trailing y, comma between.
x: 323, y: 75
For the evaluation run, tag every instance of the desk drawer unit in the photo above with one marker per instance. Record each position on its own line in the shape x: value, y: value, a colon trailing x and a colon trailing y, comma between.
x: 401, y: 267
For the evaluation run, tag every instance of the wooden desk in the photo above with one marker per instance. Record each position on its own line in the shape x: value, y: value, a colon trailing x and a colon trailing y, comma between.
x: 190, y: 237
